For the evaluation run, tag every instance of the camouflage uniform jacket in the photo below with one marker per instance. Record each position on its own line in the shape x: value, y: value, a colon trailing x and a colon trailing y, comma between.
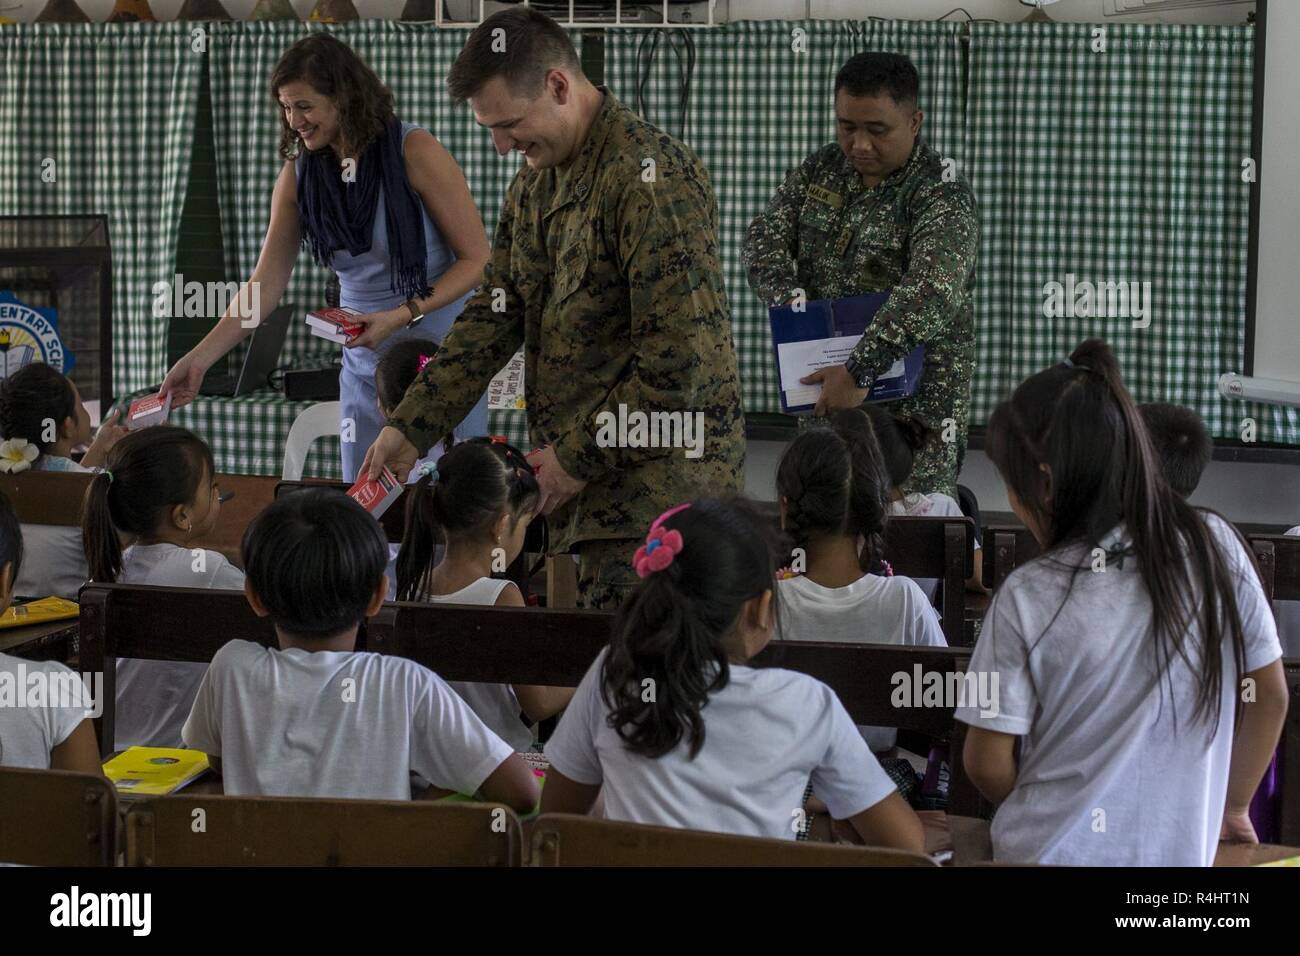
x: 606, y: 270
x: 826, y: 233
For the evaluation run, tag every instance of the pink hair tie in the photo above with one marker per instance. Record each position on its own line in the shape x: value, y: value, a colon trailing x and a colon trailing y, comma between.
x: 660, y: 547
x: 424, y: 360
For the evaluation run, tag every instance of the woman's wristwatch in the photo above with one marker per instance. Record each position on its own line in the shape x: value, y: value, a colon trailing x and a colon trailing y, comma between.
x: 416, y: 314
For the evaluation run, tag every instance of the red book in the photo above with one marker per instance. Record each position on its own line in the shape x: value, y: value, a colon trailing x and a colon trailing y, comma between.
x: 150, y: 410
x: 378, y: 494
x: 335, y: 324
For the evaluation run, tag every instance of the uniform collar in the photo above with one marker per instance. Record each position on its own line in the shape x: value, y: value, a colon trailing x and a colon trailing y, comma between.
x: 891, y: 181
x: 574, y: 183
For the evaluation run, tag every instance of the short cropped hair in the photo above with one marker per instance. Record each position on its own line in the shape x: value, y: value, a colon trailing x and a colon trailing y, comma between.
x: 314, y: 558
x: 873, y: 73
x: 1182, y: 442
x: 519, y: 44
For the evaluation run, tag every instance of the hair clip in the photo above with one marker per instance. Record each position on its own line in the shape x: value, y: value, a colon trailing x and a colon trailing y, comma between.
x: 424, y: 360
x: 660, y: 547
x: 1069, y: 363
x: 429, y: 470
x: 498, y: 439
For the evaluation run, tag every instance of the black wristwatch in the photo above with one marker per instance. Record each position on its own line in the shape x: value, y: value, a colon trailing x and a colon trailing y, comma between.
x: 862, y: 378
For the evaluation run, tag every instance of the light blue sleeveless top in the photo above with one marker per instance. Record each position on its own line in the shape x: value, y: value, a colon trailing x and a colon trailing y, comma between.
x: 365, y: 280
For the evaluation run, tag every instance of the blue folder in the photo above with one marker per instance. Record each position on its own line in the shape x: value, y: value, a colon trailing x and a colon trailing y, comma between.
x: 833, y: 318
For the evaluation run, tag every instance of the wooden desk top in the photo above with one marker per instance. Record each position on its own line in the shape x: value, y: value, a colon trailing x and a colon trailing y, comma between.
x: 25, y: 640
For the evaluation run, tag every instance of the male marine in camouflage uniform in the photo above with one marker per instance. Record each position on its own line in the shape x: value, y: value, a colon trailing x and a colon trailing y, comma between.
x: 880, y: 210
x: 605, y: 267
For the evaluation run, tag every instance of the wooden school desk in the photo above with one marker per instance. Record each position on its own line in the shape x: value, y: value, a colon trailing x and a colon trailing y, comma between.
x: 48, y: 641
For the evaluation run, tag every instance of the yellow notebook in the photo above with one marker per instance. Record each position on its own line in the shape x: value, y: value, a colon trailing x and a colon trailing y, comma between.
x: 39, y: 612
x: 153, y: 771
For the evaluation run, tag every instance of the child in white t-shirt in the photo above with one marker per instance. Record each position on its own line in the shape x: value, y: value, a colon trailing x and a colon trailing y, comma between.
x: 399, y: 365
x: 42, y: 420
x: 1119, y: 662
x: 833, y: 491
x: 899, y: 439
x: 49, y: 734
x: 679, y: 730
x: 158, y: 490
x: 482, y: 495
x: 317, y: 718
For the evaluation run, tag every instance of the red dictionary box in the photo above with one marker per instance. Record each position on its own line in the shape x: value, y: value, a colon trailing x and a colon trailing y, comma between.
x: 335, y: 325
x: 150, y: 410
x: 378, y: 494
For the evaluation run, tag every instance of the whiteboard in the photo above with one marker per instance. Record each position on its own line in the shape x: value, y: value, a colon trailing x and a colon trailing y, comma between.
x: 1276, y: 350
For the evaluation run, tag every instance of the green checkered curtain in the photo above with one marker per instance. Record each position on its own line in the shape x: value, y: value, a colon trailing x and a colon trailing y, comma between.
x: 761, y: 97
x: 1119, y: 166
x: 413, y: 60
x: 113, y: 105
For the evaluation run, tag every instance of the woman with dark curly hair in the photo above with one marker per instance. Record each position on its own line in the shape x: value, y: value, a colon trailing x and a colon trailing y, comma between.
x: 381, y: 203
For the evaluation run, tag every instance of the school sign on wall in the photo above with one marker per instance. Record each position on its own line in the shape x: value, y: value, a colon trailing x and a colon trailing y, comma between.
x: 28, y: 335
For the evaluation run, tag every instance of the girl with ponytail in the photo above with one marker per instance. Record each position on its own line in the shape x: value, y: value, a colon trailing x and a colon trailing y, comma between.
x: 834, y: 494
x: 480, y: 498
x: 1137, y: 657
x: 676, y: 727
x: 157, y: 494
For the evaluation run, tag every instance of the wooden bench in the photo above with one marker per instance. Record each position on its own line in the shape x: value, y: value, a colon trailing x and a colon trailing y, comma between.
x: 497, y: 645
x: 563, y: 839
x: 284, y: 831
x: 942, y: 548
x: 66, y: 819
x: 55, y: 498
x: 1005, y: 548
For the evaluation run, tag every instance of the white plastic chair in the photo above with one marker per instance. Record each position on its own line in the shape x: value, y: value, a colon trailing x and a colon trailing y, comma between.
x: 318, y: 421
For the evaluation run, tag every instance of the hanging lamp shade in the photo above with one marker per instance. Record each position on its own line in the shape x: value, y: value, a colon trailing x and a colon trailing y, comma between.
x: 62, y: 11
x: 203, y: 10
x: 273, y: 10
x: 333, y: 11
x: 131, y: 11
x: 420, y: 10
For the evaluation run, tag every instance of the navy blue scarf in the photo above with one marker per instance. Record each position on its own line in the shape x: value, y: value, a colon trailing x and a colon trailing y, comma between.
x: 337, y: 215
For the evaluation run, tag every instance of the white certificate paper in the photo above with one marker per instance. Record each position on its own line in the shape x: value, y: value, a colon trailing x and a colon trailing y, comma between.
x: 800, y: 359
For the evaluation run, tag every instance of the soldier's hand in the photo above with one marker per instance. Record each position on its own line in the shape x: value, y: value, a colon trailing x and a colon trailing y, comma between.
x: 556, y: 484
x: 839, y: 391
x: 391, y: 449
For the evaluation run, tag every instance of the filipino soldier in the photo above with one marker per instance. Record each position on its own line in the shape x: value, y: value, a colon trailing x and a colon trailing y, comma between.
x: 880, y: 210
x: 605, y: 269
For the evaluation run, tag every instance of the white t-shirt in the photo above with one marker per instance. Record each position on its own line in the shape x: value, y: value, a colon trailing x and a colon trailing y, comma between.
x: 155, y: 697
x: 336, y: 724
x: 933, y: 505
x: 28, y: 734
x: 1288, y: 620
x: 54, y: 562
x: 496, y: 704
x: 871, y: 610
x: 1104, y: 779
x: 766, y: 733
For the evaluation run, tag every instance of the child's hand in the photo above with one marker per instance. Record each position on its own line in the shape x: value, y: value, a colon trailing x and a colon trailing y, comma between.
x: 1237, y: 827
x: 107, y: 436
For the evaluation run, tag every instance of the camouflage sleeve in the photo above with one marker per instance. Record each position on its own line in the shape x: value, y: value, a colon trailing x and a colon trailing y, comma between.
x: 665, y: 236
x: 771, y: 244
x: 480, y: 343
x: 944, y: 244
